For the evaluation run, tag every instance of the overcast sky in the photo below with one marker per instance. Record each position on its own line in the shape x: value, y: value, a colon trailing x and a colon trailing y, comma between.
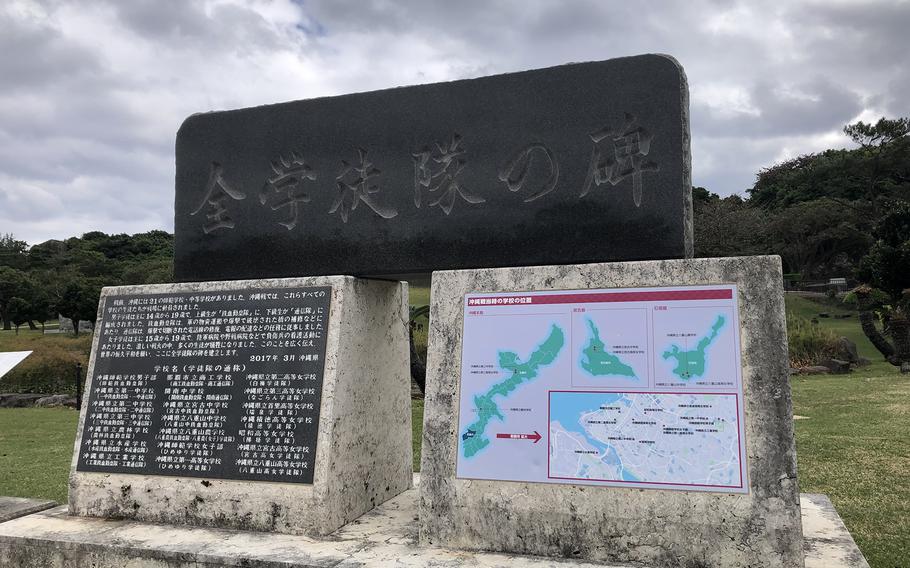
x: 92, y: 92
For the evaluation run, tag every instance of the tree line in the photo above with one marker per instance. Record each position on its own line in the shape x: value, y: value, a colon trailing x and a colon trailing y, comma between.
x: 842, y: 213
x: 65, y: 277
x: 837, y: 213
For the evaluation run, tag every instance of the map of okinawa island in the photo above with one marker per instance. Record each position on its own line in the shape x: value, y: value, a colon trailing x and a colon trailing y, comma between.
x: 600, y: 362
x: 675, y: 439
x: 622, y: 387
x: 474, y: 437
x: 691, y: 362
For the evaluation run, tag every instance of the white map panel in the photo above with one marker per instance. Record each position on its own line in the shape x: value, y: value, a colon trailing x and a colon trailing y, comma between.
x: 10, y: 359
x: 624, y: 387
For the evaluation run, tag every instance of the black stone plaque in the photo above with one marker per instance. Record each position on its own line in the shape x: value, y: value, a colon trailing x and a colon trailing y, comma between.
x: 218, y: 384
x: 579, y: 163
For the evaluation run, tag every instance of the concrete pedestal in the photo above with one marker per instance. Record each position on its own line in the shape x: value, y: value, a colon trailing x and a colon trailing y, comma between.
x: 760, y: 527
x: 386, y: 536
x: 363, y: 450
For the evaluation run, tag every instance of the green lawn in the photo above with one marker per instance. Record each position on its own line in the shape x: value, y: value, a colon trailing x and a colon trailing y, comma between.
x: 419, y: 295
x: 36, y: 446
x: 851, y: 443
x: 847, y: 327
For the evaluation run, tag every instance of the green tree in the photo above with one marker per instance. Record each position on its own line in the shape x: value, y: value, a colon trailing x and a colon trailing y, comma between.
x: 885, y: 295
x: 92, y: 264
x: 882, y: 156
x: 859, y: 178
x: 49, y: 255
x: 887, y: 264
x: 13, y: 252
x: 19, y: 311
x: 36, y: 299
x: 729, y: 227
x: 40, y: 303
x: 702, y: 197
x: 154, y: 270
x: 12, y: 283
x: 79, y: 301
x: 818, y: 238
x: 807, y: 178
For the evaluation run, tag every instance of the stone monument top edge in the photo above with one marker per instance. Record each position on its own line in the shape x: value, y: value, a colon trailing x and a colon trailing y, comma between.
x: 771, y: 260
x: 216, y: 285
x: 634, y: 59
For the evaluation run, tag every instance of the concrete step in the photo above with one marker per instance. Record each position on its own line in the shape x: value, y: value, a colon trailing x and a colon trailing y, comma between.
x: 385, y: 536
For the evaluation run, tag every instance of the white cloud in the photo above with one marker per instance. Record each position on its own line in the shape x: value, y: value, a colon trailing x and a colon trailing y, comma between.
x: 92, y: 92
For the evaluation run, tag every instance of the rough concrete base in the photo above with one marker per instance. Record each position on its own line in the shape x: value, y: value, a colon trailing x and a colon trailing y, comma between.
x: 15, y: 507
x: 678, y: 528
x: 385, y: 536
x: 363, y: 450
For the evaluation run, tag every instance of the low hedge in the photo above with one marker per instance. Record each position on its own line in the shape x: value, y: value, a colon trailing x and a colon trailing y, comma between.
x: 50, y: 369
x: 809, y: 343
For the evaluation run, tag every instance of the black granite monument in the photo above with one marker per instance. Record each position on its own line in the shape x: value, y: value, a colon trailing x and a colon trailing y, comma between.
x: 579, y: 163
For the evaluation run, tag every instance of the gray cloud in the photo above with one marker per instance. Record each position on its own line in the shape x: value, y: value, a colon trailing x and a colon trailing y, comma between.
x: 815, y: 107
x: 92, y: 92
x: 35, y: 56
x: 223, y: 27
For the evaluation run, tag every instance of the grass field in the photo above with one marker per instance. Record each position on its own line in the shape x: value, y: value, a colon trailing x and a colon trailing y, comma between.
x: 419, y: 295
x: 36, y: 446
x: 851, y: 444
x: 848, y: 327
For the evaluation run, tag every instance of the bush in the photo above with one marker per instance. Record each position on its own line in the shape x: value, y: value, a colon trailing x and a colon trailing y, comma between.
x: 808, y: 342
x: 872, y: 298
x: 420, y: 342
x: 50, y: 369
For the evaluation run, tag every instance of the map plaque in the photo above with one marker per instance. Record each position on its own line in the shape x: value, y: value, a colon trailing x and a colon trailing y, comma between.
x: 627, y: 413
x: 625, y: 387
x: 222, y: 384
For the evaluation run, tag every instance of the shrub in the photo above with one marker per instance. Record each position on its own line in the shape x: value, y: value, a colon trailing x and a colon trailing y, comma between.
x: 420, y: 342
x: 50, y: 369
x: 865, y: 297
x: 808, y: 342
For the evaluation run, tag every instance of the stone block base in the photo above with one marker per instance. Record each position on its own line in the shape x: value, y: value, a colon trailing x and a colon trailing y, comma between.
x: 363, y: 446
x: 385, y: 536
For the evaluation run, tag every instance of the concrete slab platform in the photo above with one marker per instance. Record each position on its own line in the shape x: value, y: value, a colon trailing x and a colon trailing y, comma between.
x: 827, y: 541
x: 383, y: 537
x: 15, y: 507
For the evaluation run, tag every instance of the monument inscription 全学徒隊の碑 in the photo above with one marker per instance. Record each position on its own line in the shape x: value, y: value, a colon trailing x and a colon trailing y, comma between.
x: 626, y: 387
x: 471, y: 173
x: 222, y: 384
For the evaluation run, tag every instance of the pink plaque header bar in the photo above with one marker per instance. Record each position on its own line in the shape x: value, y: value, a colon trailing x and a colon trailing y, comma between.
x: 604, y: 297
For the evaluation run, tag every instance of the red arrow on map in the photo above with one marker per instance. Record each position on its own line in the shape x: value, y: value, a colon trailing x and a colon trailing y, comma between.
x: 535, y: 436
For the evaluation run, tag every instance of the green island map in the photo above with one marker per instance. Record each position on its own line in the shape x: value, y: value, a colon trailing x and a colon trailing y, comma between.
x: 474, y: 437
x: 691, y: 362
x: 600, y: 362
